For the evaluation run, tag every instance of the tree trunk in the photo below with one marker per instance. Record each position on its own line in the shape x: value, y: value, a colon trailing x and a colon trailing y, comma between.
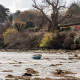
x: 54, y: 23
x: 49, y: 26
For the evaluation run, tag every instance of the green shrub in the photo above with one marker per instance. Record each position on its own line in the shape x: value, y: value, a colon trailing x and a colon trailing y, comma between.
x: 45, y: 42
x: 77, y: 38
x: 58, y: 40
x: 68, y: 41
x: 52, y: 40
x: 19, y: 25
x: 2, y: 43
x: 30, y: 24
x: 74, y: 46
x: 72, y: 34
x: 9, y: 35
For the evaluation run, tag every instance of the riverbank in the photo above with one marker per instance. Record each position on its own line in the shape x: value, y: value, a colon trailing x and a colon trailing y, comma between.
x: 41, y: 51
x: 57, y: 66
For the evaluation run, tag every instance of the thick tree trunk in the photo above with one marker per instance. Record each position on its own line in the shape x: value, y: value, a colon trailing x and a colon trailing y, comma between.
x: 52, y: 26
x: 54, y: 22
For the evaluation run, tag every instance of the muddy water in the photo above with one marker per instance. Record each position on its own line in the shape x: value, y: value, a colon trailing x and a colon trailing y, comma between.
x: 15, y: 63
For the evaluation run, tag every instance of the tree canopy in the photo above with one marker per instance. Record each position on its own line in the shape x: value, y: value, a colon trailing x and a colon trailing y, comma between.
x: 3, y: 13
x: 34, y: 16
x: 74, y: 11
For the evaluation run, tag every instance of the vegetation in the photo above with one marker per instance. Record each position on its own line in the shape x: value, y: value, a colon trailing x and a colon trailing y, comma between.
x: 3, y: 13
x: 45, y: 42
x: 9, y: 35
x: 19, y: 25
x: 32, y: 18
x: 29, y: 24
x: 34, y: 29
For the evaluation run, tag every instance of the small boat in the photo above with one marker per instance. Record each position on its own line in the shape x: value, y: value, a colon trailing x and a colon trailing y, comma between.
x: 37, y: 56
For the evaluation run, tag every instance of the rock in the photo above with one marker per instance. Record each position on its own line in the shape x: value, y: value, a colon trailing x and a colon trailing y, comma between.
x: 38, y: 79
x: 31, y: 71
x: 48, y: 79
x: 37, y: 56
x: 26, y: 74
x: 19, y: 62
x: 9, y: 76
x: 75, y: 55
x: 7, y: 71
x: 19, y: 77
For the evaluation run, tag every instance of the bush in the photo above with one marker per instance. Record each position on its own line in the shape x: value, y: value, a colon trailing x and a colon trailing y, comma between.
x: 2, y: 43
x: 74, y: 46
x: 25, y: 40
x: 36, y: 29
x: 30, y: 40
x: 53, y: 40
x: 9, y: 35
x: 34, y: 41
x: 68, y: 41
x: 30, y: 24
x: 19, y: 25
x: 43, y: 30
x: 45, y: 42
x: 72, y: 34
x: 77, y: 38
x: 59, y: 40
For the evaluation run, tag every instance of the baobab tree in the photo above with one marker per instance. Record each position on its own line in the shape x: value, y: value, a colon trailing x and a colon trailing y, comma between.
x: 54, y: 7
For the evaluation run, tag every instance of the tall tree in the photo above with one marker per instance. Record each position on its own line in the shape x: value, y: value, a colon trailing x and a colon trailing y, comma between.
x: 74, y: 11
x: 3, y: 13
x: 54, y: 6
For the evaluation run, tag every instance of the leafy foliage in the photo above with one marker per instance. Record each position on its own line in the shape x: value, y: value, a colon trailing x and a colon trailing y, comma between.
x: 45, y: 42
x: 9, y: 35
x: 19, y: 25
x: 3, y: 13
x: 33, y: 16
x: 10, y: 18
x: 77, y: 38
x: 59, y: 40
x: 29, y: 24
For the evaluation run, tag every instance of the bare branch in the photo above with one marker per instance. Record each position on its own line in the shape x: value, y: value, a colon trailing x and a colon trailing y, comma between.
x: 40, y: 9
x: 61, y: 7
x: 48, y: 1
x: 57, y: 3
x: 55, y: 7
x: 52, y: 4
x: 66, y: 16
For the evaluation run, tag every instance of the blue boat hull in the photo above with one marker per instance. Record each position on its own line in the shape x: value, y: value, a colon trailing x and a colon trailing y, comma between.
x: 36, y: 57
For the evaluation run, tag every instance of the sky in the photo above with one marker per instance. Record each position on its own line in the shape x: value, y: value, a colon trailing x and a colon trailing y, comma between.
x: 14, y: 5
x: 21, y: 5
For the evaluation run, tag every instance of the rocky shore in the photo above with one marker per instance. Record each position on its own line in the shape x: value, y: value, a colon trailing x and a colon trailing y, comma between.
x: 53, y: 65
